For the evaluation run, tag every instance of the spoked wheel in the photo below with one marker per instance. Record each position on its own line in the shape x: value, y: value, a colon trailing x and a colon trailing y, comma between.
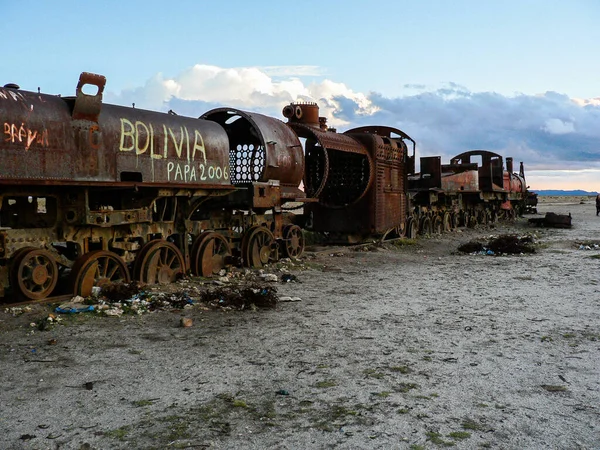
x: 97, y: 269
x: 209, y: 254
x: 259, y: 247
x: 438, y: 226
x: 482, y: 218
x: 34, y: 273
x: 447, y: 222
x: 412, y: 228
x: 455, y: 220
x: 464, y: 219
x: 293, y: 241
x: 494, y: 216
x: 159, y: 262
x: 425, y: 227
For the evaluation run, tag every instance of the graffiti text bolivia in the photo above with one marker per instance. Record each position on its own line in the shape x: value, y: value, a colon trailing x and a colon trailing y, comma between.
x: 141, y: 138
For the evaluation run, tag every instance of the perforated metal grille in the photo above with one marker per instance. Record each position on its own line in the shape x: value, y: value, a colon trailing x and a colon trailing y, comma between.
x: 247, y: 163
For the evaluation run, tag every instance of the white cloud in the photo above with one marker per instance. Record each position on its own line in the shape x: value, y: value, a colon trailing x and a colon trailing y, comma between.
x: 247, y: 87
x: 557, y: 126
x: 587, y: 101
x: 546, y: 131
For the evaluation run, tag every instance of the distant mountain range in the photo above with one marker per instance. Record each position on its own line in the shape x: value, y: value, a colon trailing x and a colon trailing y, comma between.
x: 567, y: 193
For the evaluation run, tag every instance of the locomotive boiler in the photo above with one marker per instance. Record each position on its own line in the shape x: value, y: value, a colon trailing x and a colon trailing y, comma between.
x: 359, y: 177
x: 92, y: 193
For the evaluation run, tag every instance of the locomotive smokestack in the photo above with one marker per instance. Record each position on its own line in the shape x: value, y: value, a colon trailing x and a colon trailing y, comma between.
x: 509, y: 165
x: 304, y: 113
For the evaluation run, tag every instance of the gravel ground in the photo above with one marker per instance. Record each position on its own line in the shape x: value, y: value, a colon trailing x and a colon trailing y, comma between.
x: 412, y: 346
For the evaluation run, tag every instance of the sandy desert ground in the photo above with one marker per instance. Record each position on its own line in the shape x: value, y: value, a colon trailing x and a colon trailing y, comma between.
x: 403, y: 347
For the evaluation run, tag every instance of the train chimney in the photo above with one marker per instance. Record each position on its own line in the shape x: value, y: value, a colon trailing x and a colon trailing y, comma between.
x: 509, y: 165
x: 304, y: 113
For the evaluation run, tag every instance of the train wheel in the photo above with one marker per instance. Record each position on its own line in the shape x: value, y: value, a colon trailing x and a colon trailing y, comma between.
x: 293, y: 241
x: 34, y: 273
x: 425, y: 227
x: 482, y: 217
x: 438, y: 226
x: 411, y: 228
x: 96, y: 269
x: 209, y: 254
x: 493, y: 216
x: 472, y: 221
x: 454, y: 220
x: 259, y: 247
x: 464, y: 219
x: 159, y: 262
x: 447, y: 222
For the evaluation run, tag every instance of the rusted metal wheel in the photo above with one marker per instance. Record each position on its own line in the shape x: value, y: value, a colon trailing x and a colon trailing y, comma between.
x: 259, y: 247
x: 209, y: 254
x: 464, y: 218
x: 412, y: 228
x: 293, y: 240
x: 455, y: 220
x: 437, y: 225
x: 34, y: 273
x: 447, y: 222
x: 482, y: 218
x: 158, y: 262
x: 97, y: 269
x: 425, y: 226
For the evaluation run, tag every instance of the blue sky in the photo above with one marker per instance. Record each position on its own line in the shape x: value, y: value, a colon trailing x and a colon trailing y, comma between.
x: 517, y: 77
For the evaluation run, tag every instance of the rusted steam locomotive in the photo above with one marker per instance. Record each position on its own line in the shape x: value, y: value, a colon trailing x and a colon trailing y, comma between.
x: 92, y: 193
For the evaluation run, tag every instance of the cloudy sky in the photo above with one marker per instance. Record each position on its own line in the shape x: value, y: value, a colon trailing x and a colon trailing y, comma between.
x: 517, y: 77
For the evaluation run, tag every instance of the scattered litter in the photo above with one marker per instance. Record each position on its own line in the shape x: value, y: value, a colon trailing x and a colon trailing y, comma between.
x: 588, y: 246
x: 270, y: 277
x: 73, y: 307
x: 289, y: 278
x: 290, y: 299
x: 502, y: 245
x: 282, y: 392
x: 120, y: 291
x: 17, y: 310
x: 237, y: 297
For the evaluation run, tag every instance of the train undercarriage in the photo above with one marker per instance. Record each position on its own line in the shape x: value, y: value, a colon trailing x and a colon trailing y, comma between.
x: 57, y: 241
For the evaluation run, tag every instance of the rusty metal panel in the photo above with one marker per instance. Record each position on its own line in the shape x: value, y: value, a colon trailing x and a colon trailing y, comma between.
x: 163, y: 149
x: 463, y: 181
x: 261, y: 148
x: 266, y: 195
x: 37, y: 140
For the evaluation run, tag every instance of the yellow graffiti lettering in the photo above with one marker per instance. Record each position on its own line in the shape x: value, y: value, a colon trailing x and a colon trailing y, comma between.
x: 7, y: 131
x: 152, y: 154
x: 139, y: 125
x: 187, y: 143
x: 170, y: 166
x: 127, y: 133
x: 165, y: 142
x: 178, y: 148
x: 199, y: 145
